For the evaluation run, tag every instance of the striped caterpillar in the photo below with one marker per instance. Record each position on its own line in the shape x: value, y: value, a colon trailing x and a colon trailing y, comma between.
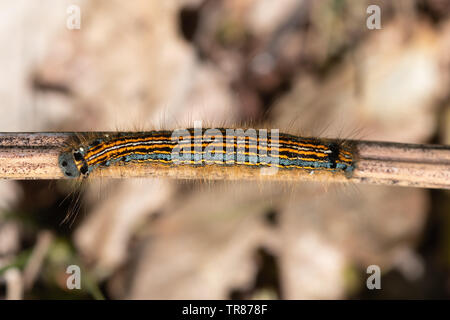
x: 220, y: 149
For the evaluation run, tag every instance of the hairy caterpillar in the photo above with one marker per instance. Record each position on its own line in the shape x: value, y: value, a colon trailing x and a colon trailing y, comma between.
x: 208, y: 148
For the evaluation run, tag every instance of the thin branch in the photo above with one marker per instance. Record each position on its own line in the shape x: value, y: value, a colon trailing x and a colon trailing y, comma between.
x: 35, y: 156
x: 34, y: 264
x: 413, y: 165
x: 31, y: 155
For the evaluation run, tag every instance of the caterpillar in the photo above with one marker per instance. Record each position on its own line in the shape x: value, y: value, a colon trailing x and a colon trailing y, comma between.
x: 218, y: 148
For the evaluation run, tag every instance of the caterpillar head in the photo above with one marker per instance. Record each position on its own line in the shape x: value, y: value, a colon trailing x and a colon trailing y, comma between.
x: 73, y: 164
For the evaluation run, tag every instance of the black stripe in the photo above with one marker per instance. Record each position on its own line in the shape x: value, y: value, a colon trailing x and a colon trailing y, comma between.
x: 333, y: 157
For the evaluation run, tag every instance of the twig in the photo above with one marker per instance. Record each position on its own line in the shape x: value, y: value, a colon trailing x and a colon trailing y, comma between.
x: 413, y: 165
x: 35, y: 156
x: 36, y: 259
x: 31, y: 155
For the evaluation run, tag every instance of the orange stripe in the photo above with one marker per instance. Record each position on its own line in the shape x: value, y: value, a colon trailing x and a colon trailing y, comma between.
x: 132, y: 140
x: 108, y: 154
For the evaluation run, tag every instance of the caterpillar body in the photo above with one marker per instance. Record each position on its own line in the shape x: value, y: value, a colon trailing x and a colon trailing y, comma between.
x: 203, y: 148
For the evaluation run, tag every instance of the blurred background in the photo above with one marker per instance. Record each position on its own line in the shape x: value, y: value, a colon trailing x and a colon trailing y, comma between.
x: 303, y: 66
